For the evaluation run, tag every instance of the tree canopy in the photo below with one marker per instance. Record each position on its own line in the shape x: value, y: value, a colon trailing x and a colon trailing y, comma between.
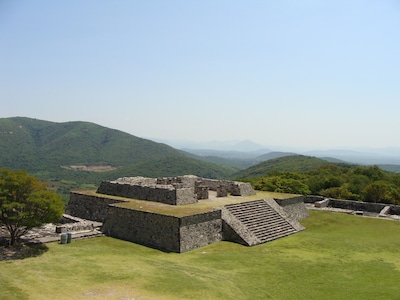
x: 26, y: 203
x: 364, y: 183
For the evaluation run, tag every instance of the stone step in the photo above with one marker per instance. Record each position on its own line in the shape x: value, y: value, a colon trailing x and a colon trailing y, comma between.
x: 269, y: 238
x: 273, y: 229
x: 259, y: 217
x: 275, y: 233
x: 260, y: 214
x: 254, y: 209
x: 246, y: 206
x: 262, y: 220
x: 264, y: 225
x: 255, y: 213
x: 269, y: 222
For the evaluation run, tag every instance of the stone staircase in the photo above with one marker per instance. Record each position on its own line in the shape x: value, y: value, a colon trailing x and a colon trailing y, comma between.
x: 258, y: 222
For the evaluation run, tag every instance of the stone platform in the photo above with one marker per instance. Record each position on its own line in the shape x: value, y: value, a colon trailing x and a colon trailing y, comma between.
x: 178, y: 227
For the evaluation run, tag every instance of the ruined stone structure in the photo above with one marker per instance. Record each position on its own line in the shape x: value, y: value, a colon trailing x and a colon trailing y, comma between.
x: 356, y: 207
x: 171, y: 213
x: 173, y: 190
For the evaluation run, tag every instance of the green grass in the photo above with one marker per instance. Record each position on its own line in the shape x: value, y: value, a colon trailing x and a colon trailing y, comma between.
x: 338, y: 256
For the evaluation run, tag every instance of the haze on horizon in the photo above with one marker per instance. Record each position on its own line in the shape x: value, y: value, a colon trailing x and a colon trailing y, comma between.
x: 290, y: 73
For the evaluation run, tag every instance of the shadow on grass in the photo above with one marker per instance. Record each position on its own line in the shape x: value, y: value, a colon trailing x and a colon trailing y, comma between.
x: 22, y: 251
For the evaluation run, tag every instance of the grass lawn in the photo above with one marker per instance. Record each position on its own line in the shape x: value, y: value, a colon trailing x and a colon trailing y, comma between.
x: 338, y: 256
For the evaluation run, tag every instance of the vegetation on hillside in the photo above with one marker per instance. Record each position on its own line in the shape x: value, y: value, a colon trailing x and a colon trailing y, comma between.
x: 291, y: 163
x: 308, y: 175
x: 48, y: 150
x: 64, y: 156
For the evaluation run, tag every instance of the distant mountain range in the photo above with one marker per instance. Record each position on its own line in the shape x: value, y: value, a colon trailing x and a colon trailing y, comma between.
x: 87, y: 152
x: 223, y: 146
x: 84, y: 152
x: 386, y: 158
x: 287, y: 163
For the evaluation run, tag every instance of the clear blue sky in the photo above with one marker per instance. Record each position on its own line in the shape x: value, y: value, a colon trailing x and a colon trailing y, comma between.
x: 289, y: 73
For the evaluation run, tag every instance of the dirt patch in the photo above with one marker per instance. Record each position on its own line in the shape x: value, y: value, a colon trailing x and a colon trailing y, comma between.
x: 90, y: 168
x: 21, y: 251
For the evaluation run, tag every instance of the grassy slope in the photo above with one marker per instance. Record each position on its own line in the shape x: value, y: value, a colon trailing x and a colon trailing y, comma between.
x: 338, y: 256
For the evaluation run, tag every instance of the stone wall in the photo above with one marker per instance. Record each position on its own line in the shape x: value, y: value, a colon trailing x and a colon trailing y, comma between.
x: 236, y: 188
x: 165, y: 190
x: 294, y: 207
x: 200, y: 230
x: 313, y: 198
x: 89, y: 207
x: 164, y: 232
x: 160, y: 193
x: 394, y: 210
x: 145, y: 228
x: 173, y: 190
x: 354, y: 205
x: 70, y: 223
x: 185, y: 195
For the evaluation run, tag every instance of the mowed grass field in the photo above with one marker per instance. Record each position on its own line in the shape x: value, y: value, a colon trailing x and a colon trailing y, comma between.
x: 338, y: 256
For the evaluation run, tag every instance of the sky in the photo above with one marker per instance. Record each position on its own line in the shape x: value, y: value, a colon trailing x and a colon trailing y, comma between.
x: 322, y: 74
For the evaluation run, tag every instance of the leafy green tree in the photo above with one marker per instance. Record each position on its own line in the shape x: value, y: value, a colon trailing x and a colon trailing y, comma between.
x: 372, y: 172
x: 339, y: 193
x: 357, y: 183
x: 286, y: 182
x: 25, y: 203
x: 381, y: 191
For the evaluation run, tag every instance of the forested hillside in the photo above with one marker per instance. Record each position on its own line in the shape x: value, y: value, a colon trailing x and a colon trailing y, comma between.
x: 291, y: 163
x: 84, y: 152
x: 310, y: 175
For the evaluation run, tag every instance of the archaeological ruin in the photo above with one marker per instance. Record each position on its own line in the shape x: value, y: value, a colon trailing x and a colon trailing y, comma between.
x: 178, y: 214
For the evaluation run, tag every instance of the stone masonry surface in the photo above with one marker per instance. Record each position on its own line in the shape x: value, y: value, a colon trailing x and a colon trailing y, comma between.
x: 172, y: 190
x: 152, y: 225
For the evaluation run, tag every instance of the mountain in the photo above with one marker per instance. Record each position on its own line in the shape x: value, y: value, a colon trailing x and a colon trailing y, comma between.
x: 222, y: 146
x: 274, y: 154
x: 365, y: 156
x: 88, y: 152
x: 291, y: 163
x: 235, y: 159
x: 390, y: 168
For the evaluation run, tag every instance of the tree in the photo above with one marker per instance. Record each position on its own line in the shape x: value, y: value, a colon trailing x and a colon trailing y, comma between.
x: 381, y: 191
x: 25, y: 203
x: 286, y: 182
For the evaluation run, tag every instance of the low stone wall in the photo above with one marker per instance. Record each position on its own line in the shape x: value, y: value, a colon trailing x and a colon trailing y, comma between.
x: 294, y: 207
x: 355, y: 205
x: 160, y: 193
x: 164, y: 232
x: 150, y: 189
x: 394, y: 210
x: 236, y: 188
x: 313, y: 198
x: 89, y: 207
x: 70, y: 223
